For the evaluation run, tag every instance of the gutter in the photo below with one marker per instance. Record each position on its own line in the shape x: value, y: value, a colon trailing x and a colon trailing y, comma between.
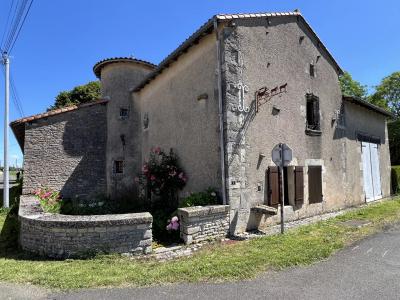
x: 220, y: 113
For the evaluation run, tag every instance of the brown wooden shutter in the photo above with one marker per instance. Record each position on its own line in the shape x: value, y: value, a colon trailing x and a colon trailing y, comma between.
x: 273, y: 186
x: 299, y: 185
x: 315, y: 184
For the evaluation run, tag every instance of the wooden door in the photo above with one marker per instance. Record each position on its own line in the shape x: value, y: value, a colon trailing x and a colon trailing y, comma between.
x: 315, y: 184
x: 273, y: 186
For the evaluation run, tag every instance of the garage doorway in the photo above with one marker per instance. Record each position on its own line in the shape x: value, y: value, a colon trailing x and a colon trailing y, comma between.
x: 371, y: 171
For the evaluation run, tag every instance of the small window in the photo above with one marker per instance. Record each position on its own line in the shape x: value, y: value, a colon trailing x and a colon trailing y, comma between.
x: 118, y: 167
x: 340, y: 118
x: 315, y: 184
x: 123, y: 113
x: 313, y: 118
x: 312, y: 70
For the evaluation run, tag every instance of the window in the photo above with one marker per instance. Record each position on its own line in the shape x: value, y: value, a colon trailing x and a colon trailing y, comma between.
x: 123, y: 113
x: 118, y: 167
x: 313, y: 123
x: 312, y: 70
x: 340, y: 118
x: 314, y: 184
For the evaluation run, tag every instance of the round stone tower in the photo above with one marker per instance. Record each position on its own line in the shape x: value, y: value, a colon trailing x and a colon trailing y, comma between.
x: 118, y: 77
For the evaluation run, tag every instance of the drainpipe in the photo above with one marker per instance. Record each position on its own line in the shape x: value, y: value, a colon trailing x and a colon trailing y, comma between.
x: 220, y: 113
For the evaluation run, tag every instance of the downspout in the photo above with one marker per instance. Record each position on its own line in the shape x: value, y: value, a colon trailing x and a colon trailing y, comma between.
x: 220, y: 113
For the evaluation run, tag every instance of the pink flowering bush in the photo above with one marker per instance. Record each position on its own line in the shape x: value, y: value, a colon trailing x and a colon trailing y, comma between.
x: 161, y: 174
x: 173, y: 224
x: 162, y: 177
x: 49, y: 200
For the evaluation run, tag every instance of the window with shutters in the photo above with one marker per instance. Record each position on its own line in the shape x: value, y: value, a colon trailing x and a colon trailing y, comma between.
x: 315, y: 184
x: 313, y: 115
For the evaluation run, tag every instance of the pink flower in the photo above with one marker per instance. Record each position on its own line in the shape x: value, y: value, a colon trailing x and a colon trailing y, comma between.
x: 169, y: 227
x: 157, y: 150
x: 152, y: 177
x: 174, y: 219
x: 172, y: 173
x: 145, y: 168
x: 175, y: 226
x: 180, y: 175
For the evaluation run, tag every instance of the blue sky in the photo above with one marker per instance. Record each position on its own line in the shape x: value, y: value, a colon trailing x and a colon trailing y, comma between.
x: 62, y: 40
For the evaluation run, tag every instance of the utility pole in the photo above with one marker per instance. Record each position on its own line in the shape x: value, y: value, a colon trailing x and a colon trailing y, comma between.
x: 6, y: 62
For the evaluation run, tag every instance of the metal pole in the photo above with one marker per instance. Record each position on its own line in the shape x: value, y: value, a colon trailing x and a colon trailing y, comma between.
x: 282, y: 189
x: 6, y: 202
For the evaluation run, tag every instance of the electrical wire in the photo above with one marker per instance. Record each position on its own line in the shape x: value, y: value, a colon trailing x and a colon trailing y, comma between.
x: 6, y: 25
x: 15, y: 25
x: 22, y: 24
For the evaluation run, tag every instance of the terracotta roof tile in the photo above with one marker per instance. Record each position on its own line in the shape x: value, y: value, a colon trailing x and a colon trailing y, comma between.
x: 56, y: 112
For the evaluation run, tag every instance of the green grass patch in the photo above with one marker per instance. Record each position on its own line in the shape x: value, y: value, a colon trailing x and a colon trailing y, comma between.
x: 217, y: 262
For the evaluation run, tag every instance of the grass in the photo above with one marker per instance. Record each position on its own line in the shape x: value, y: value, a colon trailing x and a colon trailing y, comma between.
x: 241, y: 260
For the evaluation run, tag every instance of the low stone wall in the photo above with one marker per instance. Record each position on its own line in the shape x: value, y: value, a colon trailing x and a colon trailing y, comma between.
x: 63, y: 236
x: 201, y: 223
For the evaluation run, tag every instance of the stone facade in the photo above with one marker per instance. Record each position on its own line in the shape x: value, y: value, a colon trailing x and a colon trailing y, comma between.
x: 123, y: 132
x: 275, y: 52
x: 66, y: 152
x: 62, y: 236
x: 201, y: 102
x: 198, y: 223
x: 182, y: 110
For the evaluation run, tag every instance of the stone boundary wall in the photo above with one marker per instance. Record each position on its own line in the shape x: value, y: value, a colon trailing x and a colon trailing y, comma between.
x: 200, y: 223
x: 64, y: 236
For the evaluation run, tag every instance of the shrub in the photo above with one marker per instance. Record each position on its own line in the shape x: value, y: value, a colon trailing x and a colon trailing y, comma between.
x: 161, y: 178
x: 49, y: 200
x: 208, y: 197
x: 394, y: 141
x: 395, y: 179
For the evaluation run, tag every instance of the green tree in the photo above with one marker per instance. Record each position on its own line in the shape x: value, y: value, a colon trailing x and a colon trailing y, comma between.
x: 387, y: 94
x: 394, y: 141
x: 81, y: 94
x: 351, y: 87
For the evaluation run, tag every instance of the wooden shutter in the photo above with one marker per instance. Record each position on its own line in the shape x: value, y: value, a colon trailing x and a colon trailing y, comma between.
x: 316, y: 114
x: 273, y: 186
x: 315, y: 184
x: 298, y: 185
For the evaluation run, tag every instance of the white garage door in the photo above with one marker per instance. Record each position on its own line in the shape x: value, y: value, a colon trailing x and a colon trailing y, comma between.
x: 371, y: 172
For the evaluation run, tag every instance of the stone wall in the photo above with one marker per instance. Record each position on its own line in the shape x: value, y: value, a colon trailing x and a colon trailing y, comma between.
x: 66, y: 152
x: 277, y: 52
x: 63, y: 236
x: 200, y: 223
x: 123, y: 134
x: 181, y: 105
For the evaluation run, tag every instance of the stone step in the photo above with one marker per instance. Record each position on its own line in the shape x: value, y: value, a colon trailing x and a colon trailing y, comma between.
x: 265, y: 209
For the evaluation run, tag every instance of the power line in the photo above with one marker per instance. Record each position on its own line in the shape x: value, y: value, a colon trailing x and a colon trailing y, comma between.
x: 22, y: 24
x: 6, y: 25
x: 13, y: 24
x: 20, y: 14
x: 15, y: 96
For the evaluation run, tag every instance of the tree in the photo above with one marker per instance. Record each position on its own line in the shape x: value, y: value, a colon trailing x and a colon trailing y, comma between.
x: 387, y: 94
x: 351, y: 87
x: 394, y: 141
x: 80, y: 94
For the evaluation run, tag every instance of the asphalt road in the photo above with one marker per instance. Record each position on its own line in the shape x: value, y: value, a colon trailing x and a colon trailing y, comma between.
x: 367, y: 270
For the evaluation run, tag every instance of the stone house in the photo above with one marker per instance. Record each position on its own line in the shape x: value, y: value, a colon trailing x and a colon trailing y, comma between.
x: 238, y: 86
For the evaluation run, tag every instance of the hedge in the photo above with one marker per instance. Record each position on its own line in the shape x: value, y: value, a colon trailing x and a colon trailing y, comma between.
x: 395, y: 179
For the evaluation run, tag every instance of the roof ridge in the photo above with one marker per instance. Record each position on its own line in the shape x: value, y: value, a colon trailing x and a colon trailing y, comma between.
x: 57, y: 111
x: 208, y: 27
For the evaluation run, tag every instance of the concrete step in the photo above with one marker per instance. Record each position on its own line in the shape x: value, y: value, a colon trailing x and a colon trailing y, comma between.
x: 265, y: 209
